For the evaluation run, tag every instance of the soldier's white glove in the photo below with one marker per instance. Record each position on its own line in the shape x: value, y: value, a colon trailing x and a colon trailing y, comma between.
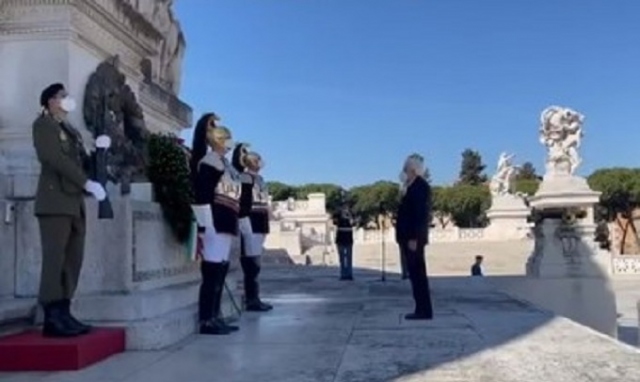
x: 103, y: 142
x: 95, y: 189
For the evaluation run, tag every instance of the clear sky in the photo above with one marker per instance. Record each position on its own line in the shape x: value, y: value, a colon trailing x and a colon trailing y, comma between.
x: 342, y: 90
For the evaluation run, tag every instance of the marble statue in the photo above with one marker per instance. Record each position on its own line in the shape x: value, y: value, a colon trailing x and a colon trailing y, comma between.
x: 503, y: 181
x: 167, y: 65
x: 561, y: 133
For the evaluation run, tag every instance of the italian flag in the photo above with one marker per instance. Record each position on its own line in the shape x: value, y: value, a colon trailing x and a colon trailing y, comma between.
x: 193, y: 252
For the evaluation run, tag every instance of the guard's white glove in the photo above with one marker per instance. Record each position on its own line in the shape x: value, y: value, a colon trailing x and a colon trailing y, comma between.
x: 95, y: 189
x: 103, y: 142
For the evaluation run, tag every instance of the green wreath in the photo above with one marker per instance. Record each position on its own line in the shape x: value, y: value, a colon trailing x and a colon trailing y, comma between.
x: 168, y: 171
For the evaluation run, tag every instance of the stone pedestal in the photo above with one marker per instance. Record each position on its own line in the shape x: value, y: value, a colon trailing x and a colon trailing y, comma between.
x: 508, y: 218
x: 135, y: 275
x: 570, y: 274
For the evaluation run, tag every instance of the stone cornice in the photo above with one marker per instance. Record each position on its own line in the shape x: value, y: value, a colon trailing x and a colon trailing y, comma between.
x: 115, y: 16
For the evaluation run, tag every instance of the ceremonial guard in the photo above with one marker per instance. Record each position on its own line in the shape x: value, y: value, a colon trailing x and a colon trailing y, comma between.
x: 253, y: 224
x: 216, y: 208
x: 60, y: 209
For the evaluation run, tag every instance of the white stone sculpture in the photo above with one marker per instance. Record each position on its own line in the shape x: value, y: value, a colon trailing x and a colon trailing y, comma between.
x: 561, y: 133
x: 503, y: 181
x: 167, y: 65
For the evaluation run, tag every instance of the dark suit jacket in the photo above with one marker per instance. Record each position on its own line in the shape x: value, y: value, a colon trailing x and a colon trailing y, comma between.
x: 62, y: 176
x: 344, y: 229
x: 414, y: 213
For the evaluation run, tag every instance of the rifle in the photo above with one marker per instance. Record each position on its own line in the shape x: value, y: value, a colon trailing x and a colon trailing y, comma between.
x: 103, y: 119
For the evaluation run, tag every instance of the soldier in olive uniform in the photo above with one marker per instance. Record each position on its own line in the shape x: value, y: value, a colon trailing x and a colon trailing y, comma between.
x: 59, y: 207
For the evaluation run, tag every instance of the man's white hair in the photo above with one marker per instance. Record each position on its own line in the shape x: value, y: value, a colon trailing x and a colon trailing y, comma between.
x: 415, y: 162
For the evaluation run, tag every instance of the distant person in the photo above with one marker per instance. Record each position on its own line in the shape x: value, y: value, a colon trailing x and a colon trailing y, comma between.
x: 476, y: 268
x: 343, y: 221
x: 412, y: 232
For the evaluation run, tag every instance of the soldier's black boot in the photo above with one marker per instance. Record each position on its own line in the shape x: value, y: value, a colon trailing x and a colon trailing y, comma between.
x: 206, y: 301
x: 252, y: 287
x: 217, y: 311
x: 56, y: 323
x: 66, y: 310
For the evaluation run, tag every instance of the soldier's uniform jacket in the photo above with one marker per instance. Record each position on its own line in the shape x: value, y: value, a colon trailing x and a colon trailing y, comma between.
x: 217, y: 185
x: 260, y: 206
x: 64, y: 163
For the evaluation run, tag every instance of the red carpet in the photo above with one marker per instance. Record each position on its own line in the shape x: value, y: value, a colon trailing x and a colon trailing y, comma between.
x: 31, y: 352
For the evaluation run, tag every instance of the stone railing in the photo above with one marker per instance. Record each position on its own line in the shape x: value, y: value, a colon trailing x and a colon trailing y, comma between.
x: 454, y: 234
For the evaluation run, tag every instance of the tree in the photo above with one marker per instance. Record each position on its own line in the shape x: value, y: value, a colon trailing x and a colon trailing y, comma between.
x: 527, y: 186
x: 373, y: 200
x: 620, y: 189
x: 472, y: 168
x: 467, y: 204
x: 440, y: 205
x: 527, y: 172
x: 280, y: 191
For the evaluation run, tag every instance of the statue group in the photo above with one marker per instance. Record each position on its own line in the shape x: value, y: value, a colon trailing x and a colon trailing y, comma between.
x: 166, y: 66
x: 503, y: 182
x: 561, y: 133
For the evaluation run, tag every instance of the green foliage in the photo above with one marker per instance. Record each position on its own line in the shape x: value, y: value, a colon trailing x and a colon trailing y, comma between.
x: 168, y: 171
x: 527, y: 186
x: 527, y: 172
x: 371, y: 200
x: 467, y: 204
x: 280, y: 191
x: 620, y: 188
x: 472, y: 168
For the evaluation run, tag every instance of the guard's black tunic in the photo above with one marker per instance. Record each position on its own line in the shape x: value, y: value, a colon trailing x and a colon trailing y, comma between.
x: 260, y: 208
x: 246, y: 195
x: 217, y: 184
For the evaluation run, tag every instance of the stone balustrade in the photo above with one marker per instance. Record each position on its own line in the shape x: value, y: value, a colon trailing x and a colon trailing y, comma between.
x: 447, y: 235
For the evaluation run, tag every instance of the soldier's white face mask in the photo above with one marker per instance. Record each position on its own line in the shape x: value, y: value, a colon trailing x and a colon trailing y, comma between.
x: 68, y: 104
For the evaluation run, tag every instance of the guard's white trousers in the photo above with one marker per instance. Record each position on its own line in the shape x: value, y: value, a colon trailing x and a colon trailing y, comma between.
x: 253, y: 242
x: 217, y: 246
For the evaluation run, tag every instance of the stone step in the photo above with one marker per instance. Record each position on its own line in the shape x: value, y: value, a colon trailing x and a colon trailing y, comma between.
x: 136, y: 306
x: 16, y: 315
x: 153, y: 319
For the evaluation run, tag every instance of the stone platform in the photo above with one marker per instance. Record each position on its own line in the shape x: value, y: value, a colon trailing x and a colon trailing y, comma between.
x: 30, y: 351
x: 325, y: 330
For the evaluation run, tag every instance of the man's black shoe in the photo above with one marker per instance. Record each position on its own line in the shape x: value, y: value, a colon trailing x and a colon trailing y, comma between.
x: 418, y: 316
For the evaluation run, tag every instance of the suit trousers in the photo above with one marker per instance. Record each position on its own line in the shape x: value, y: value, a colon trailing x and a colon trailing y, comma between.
x: 62, y: 239
x: 417, y: 267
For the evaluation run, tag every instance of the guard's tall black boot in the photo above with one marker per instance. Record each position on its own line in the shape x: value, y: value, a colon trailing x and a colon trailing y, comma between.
x: 251, y: 269
x: 66, y: 310
x: 207, y: 300
x: 222, y: 269
x: 56, y: 323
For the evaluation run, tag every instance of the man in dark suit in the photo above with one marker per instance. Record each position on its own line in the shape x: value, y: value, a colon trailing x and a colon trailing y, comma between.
x: 59, y: 207
x: 412, y: 232
x: 343, y: 222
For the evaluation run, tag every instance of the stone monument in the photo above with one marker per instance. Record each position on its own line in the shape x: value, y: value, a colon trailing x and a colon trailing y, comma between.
x: 508, y: 212
x: 570, y: 273
x: 135, y: 274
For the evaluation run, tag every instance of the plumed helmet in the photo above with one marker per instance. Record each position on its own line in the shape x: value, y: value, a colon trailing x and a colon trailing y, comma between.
x: 238, y: 157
